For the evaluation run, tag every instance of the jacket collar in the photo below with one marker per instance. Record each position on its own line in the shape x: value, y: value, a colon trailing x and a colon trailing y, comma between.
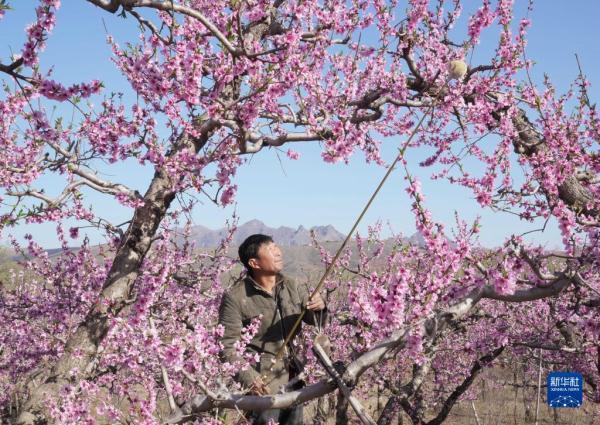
x: 279, y: 280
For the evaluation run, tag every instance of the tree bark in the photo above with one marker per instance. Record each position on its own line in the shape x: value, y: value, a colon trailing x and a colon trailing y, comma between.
x: 82, y: 346
x: 116, y: 292
x: 389, y: 411
x: 341, y: 411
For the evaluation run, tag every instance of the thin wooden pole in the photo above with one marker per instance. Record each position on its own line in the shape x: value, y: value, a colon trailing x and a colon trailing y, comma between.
x: 475, y: 412
x: 341, y: 248
x: 539, y: 388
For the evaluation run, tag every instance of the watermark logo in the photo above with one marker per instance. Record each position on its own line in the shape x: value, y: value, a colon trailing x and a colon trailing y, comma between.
x: 565, y: 389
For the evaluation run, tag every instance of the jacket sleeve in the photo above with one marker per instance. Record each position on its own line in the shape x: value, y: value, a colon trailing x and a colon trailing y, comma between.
x: 230, y: 317
x: 311, y: 317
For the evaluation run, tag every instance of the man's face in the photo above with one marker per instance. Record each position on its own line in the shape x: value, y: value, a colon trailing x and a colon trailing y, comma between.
x: 269, y: 259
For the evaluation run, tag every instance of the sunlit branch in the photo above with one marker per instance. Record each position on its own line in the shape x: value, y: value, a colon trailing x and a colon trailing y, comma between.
x: 94, y: 182
x: 255, y: 141
x: 52, y: 202
x: 148, y: 24
x: 169, y: 6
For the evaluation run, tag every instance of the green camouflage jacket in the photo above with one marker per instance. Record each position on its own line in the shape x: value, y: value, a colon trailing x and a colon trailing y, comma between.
x: 245, y: 301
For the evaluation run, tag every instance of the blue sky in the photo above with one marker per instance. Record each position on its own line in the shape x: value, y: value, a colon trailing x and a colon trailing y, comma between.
x: 308, y: 192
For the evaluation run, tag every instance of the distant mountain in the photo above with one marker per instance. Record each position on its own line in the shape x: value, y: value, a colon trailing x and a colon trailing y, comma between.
x: 284, y: 236
x: 417, y: 239
x: 301, y: 260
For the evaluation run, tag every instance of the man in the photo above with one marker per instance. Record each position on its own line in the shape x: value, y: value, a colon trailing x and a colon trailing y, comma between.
x: 265, y: 291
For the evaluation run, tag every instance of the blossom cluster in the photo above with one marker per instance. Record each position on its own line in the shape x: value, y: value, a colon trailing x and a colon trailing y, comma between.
x: 210, y: 91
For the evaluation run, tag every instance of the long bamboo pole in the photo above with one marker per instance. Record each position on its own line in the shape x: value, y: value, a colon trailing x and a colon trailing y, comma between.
x: 341, y: 248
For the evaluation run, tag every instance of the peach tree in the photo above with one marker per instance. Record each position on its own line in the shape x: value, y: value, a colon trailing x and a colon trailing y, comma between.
x: 121, y: 332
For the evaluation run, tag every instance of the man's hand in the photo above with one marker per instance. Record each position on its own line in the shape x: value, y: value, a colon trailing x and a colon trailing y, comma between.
x: 316, y: 303
x: 259, y: 387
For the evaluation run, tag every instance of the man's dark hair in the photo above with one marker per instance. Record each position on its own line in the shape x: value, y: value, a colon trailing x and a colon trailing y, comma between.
x: 249, y: 248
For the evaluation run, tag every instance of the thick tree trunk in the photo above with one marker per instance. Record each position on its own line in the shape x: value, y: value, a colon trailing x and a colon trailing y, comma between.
x: 411, y: 411
x: 321, y: 412
x: 341, y: 411
x: 81, y: 348
x: 389, y: 411
x: 116, y: 291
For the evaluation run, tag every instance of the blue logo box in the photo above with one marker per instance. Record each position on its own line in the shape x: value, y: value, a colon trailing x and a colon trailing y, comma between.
x: 565, y: 389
